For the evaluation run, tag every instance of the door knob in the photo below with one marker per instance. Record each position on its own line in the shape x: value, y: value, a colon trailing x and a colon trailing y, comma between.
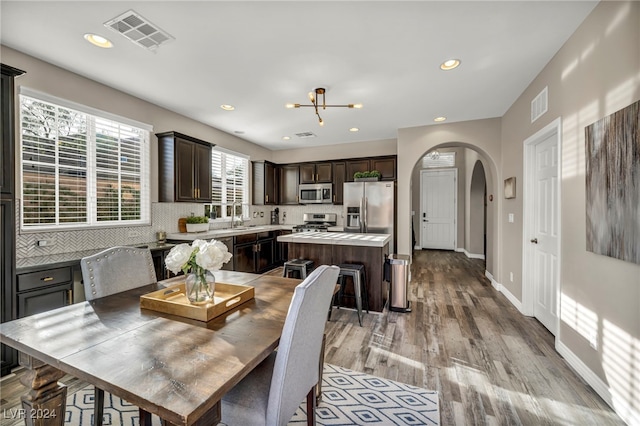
x: 534, y: 241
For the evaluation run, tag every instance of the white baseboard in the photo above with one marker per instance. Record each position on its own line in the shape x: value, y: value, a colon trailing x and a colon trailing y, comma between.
x: 502, y: 289
x: 627, y: 413
x: 470, y: 255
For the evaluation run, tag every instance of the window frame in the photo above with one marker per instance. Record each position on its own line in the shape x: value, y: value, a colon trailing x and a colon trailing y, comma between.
x: 222, y: 212
x: 91, y: 215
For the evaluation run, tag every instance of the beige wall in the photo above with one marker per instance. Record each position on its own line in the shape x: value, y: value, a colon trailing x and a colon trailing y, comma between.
x: 482, y: 136
x: 52, y: 80
x: 596, y: 73
x: 333, y: 152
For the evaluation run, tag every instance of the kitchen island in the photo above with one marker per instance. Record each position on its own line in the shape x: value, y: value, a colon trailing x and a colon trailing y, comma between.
x: 334, y: 248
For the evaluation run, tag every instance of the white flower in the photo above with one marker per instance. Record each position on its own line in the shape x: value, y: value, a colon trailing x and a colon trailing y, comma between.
x: 208, y: 256
x: 212, y: 255
x: 178, y: 257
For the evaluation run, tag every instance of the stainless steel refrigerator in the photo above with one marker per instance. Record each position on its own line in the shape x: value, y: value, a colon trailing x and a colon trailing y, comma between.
x: 369, y: 208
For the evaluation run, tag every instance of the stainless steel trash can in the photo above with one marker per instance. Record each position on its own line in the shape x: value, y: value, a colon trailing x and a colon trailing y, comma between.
x: 399, y: 291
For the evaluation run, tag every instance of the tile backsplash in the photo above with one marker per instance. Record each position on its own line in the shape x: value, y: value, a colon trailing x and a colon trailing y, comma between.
x: 164, y: 217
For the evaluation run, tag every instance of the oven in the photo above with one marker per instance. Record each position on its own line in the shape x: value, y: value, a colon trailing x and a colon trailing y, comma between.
x: 321, y: 193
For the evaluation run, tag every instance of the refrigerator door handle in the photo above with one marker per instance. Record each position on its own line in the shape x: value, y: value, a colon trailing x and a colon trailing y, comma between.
x: 361, y: 224
x: 366, y: 204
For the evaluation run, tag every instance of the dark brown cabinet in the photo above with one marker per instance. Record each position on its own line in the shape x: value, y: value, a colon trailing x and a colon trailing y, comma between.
x: 254, y: 253
x: 8, y: 356
x: 265, y: 181
x: 41, y: 291
x: 184, y: 168
x: 354, y: 166
x: 316, y: 173
x: 288, y: 184
x: 386, y: 166
x: 339, y: 178
x: 282, y: 249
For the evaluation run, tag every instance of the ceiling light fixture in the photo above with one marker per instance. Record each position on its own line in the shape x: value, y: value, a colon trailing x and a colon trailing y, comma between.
x: 97, y: 40
x: 450, y: 64
x: 314, y: 97
x: 354, y: 129
x: 286, y: 138
x: 439, y: 119
x: 227, y: 107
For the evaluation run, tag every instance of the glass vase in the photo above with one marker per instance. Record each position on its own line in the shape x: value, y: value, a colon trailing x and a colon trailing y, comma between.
x: 199, y: 287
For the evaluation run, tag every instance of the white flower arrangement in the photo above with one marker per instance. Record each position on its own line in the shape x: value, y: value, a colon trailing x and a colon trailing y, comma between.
x: 198, y: 257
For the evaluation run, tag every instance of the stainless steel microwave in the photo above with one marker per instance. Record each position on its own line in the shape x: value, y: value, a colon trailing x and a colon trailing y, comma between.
x: 320, y: 193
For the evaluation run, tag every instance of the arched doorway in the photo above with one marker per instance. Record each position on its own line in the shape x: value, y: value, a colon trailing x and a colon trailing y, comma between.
x: 477, y: 232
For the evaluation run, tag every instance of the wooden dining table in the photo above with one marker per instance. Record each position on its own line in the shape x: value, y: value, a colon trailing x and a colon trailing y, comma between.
x: 171, y: 366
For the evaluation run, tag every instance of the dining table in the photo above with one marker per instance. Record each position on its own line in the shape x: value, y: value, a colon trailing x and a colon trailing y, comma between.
x: 171, y: 366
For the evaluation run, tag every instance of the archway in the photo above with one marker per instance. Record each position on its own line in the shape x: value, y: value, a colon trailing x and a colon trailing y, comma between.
x: 476, y: 245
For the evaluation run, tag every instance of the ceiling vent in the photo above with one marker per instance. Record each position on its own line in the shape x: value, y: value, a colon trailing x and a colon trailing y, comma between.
x: 305, y: 135
x: 540, y: 104
x: 139, y: 30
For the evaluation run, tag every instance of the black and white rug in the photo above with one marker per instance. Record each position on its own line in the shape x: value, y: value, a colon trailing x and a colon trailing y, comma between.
x: 348, y: 398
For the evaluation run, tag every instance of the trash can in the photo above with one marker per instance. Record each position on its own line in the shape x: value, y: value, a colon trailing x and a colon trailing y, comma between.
x: 399, y: 291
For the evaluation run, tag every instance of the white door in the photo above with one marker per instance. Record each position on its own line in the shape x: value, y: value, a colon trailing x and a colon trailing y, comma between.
x: 544, y: 238
x: 439, y: 192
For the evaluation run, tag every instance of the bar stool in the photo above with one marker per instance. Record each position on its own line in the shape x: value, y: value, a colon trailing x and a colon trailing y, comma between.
x: 301, y: 266
x: 357, y: 274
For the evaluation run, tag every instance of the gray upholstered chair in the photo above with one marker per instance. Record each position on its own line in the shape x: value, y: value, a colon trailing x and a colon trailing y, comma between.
x: 112, y: 271
x: 272, y: 392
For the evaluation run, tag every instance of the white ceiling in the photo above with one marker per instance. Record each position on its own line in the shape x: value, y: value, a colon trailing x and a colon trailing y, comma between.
x: 258, y: 56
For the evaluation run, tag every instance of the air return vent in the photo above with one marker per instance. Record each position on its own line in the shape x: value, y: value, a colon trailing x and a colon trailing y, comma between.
x: 539, y: 104
x: 139, y: 30
x: 304, y: 135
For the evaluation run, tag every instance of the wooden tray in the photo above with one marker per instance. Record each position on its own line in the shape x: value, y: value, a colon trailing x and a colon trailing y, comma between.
x: 172, y: 300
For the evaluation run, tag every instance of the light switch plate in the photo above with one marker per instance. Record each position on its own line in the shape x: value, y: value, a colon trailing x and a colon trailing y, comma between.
x: 511, y: 217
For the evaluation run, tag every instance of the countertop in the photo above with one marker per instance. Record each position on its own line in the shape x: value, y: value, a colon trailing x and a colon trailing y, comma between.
x: 226, y: 232
x: 337, y: 238
x: 60, y: 260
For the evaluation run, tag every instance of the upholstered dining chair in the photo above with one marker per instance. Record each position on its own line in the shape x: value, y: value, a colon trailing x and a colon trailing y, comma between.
x: 112, y: 271
x: 272, y: 392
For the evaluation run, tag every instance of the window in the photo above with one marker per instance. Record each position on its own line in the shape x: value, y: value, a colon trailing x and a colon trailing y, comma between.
x: 436, y: 159
x: 81, y: 167
x: 230, y: 184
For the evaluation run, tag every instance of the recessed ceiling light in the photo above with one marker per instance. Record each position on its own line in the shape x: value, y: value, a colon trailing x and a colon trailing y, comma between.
x: 354, y: 129
x: 450, y: 64
x: 439, y: 119
x: 286, y: 138
x: 227, y: 107
x: 97, y: 40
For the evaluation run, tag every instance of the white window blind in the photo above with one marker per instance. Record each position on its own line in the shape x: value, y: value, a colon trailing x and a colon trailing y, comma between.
x: 230, y: 183
x: 80, y: 169
x: 437, y: 159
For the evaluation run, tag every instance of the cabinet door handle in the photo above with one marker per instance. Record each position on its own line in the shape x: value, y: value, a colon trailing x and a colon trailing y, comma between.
x: 267, y: 198
x: 47, y: 279
x: 70, y: 296
x: 316, y: 177
x: 334, y: 198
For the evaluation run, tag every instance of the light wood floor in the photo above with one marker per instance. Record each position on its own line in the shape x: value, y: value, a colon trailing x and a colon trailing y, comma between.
x: 490, y: 364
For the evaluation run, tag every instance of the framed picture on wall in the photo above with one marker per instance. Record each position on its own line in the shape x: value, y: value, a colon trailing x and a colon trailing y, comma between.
x: 510, y: 187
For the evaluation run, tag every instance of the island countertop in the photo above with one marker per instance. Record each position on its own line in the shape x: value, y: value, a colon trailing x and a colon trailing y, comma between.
x: 337, y: 238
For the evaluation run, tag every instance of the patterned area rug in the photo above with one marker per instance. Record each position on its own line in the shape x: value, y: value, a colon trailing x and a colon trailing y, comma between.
x: 348, y: 398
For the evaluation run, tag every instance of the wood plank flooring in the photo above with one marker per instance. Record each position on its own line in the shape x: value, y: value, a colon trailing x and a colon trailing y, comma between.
x: 490, y: 364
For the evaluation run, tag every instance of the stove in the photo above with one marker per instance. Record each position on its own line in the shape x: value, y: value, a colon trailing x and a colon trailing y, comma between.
x: 316, y: 222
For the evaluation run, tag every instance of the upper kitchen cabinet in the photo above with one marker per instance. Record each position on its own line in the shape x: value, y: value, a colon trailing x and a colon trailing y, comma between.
x: 386, y: 166
x: 265, y: 183
x: 316, y: 173
x: 184, y: 168
x: 289, y: 184
x: 354, y: 166
x: 339, y: 178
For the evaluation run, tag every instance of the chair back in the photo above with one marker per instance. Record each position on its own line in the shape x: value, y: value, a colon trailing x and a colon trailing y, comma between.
x: 115, y: 270
x: 296, y: 366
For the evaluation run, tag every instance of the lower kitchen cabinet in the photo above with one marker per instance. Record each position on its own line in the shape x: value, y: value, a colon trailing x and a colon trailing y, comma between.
x: 282, y: 249
x: 41, y: 291
x: 254, y: 252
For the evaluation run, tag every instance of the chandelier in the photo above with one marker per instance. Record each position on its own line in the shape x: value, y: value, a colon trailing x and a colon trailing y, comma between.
x: 314, y: 97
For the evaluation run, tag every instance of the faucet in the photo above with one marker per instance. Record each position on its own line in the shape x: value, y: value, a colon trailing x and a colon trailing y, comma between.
x: 233, y: 212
